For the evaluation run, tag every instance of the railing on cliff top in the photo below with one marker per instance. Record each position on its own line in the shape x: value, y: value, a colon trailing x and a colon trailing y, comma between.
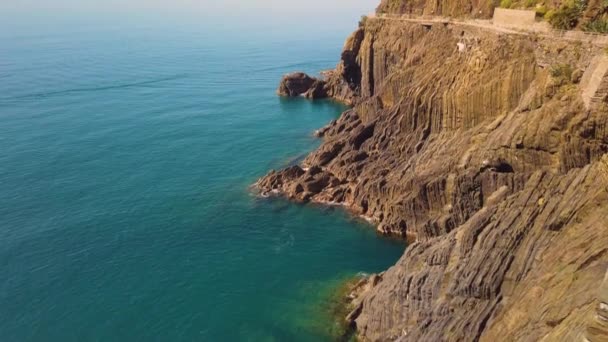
x: 593, y: 37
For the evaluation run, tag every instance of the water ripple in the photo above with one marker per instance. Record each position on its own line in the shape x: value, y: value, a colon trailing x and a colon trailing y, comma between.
x: 291, y: 67
x: 94, y: 89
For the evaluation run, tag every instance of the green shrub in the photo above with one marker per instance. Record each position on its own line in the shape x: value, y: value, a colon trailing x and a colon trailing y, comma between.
x: 562, y: 72
x: 529, y: 3
x: 541, y: 11
x: 567, y: 15
x: 506, y: 3
x: 597, y: 25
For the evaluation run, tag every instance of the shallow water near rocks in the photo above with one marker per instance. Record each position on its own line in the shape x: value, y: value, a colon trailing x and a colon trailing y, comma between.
x: 125, y: 208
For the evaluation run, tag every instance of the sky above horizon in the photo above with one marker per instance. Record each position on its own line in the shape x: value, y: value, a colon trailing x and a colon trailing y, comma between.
x: 309, y: 7
x: 281, y: 17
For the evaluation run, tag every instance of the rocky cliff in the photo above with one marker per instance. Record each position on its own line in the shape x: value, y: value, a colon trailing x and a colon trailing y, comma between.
x: 476, y: 146
x: 454, y: 8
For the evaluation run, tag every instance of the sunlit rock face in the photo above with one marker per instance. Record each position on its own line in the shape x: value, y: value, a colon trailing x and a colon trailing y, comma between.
x: 487, y: 157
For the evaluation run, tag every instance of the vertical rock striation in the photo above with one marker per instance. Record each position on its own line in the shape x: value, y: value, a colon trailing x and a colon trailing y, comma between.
x: 478, y: 146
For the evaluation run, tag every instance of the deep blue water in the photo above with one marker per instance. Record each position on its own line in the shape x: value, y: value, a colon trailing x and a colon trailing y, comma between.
x: 125, y: 209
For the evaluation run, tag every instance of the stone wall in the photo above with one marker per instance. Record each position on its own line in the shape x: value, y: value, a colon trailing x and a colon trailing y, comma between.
x: 514, y: 18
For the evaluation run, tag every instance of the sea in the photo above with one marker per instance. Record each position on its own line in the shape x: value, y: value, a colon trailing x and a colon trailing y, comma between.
x: 128, y: 151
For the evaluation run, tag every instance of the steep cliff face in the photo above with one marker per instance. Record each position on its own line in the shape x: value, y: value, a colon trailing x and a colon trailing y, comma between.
x: 523, y: 268
x: 476, y: 145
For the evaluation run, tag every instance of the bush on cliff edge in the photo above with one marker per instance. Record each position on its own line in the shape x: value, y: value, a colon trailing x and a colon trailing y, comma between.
x: 566, y: 17
x: 599, y: 25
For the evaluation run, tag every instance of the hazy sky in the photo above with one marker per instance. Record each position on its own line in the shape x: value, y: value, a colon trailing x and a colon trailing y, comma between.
x: 291, y: 7
x: 278, y: 17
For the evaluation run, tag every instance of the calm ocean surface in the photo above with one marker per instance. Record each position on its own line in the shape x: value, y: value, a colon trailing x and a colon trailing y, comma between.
x: 125, y: 212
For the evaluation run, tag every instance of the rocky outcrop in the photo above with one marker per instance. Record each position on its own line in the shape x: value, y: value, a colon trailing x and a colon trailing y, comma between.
x: 300, y: 84
x: 344, y: 83
x: 456, y: 8
x: 487, y: 159
x: 523, y: 268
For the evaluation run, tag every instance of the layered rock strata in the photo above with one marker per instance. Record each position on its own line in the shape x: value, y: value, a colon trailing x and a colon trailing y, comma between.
x: 488, y: 159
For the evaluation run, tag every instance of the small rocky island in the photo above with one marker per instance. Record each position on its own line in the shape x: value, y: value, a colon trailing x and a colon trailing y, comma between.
x: 300, y: 84
x: 483, y: 143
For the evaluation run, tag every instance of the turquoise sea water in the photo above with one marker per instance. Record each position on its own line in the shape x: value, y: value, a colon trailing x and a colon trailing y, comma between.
x: 125, y: 209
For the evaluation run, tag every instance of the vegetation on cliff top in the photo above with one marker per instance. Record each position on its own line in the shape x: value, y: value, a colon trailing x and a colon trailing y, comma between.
x: 569, y: 14
x: 566, y: 16
x: 587, y: 15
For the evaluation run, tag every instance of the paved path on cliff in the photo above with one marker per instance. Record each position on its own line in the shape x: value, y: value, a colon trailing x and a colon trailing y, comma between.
x: 594, y: 38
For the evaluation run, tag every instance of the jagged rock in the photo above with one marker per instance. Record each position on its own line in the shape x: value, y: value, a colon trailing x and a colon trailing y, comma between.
x: 299, y: 83
x: 344, y: 83
x: 320, y: 133
x: 279, y: 180
x: 503, y: 275
x: 577, y: 75
x: 454, y: 8
x: 475, y: 157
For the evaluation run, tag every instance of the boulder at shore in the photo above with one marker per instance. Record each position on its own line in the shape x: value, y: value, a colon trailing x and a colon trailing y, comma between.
x: 299, y: 83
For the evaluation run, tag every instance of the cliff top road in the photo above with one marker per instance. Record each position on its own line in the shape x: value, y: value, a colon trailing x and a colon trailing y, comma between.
x: 540, y: 29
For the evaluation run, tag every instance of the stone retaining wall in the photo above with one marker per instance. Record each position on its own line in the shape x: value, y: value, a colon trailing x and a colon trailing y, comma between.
x: 514, y: 18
